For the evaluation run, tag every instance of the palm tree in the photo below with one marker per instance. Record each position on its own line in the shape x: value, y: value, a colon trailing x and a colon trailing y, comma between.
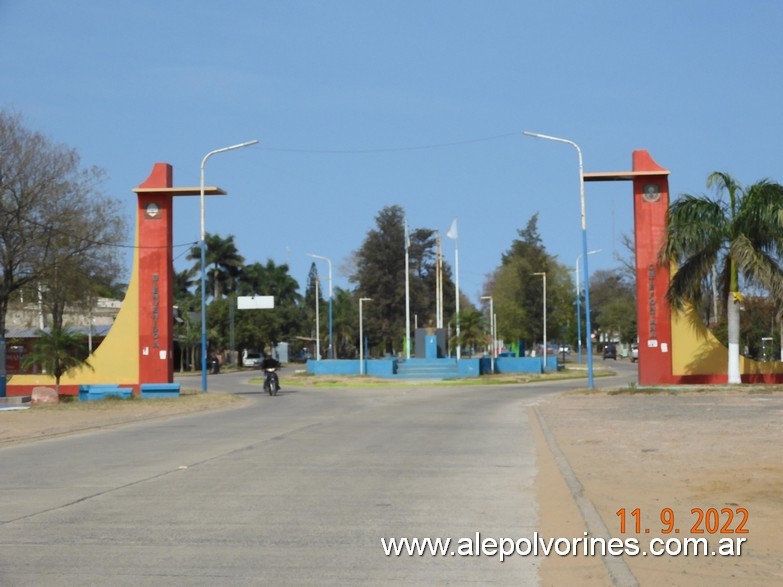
x: 225, y: 262
x: 743, y: 236
x: 471, y: 329
x: 57, y: 352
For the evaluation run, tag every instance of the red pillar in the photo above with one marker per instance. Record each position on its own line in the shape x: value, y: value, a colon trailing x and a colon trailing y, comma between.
x: 651, y: 203
x: 156, y: 296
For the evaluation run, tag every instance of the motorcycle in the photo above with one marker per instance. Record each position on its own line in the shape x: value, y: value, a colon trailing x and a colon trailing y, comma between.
x: 271, y: 382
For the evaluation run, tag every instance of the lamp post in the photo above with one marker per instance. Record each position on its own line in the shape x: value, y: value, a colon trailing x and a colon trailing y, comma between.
x: 317, y: 321
x: 361, y: 335
x: 543, y: 274
x: 203, y: 245
x: 584, y: 248
x: 407, y: 294
x: 331, y: 348
x: 491, y: 332
x: 578, y: 312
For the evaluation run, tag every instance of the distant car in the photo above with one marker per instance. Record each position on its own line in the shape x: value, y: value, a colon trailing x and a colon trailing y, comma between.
x: 610, y: 352
x: 301, y: 357
x: 252, y: 360
x: 634, y: 352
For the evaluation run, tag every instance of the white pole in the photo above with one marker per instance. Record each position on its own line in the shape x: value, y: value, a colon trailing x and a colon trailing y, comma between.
x: 330, y: 352
x: 317, y: 322
x: 407, y: 295
x: 453, y: 233
x: 543, y: 274
x: 491, y: 332
x: 203, y: 246
x: 361, y: 335
x: 440, y: 281
x: 456, y: 264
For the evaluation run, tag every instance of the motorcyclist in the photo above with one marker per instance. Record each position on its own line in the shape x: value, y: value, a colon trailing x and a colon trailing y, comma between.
x: 270, y: 362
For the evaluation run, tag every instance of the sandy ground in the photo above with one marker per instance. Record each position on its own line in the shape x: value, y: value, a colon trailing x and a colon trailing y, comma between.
x: 598, y: 453
x: 56, y: 420
x: 721, y: 450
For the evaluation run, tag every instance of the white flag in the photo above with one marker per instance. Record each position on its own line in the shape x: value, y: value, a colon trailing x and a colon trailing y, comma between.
x: 452, y: 233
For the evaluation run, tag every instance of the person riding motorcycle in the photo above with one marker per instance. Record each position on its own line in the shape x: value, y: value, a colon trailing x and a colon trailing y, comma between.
x: 269, y: 366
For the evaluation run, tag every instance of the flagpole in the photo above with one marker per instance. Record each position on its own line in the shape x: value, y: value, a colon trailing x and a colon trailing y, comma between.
x: 456, y: 263
x: 453, y: 233
x: 438, y: 282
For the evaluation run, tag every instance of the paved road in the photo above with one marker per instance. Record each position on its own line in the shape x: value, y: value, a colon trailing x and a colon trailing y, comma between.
x: 293, y: 490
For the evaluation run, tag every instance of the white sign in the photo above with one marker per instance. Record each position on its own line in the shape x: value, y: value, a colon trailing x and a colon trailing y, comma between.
x: 255, y: 302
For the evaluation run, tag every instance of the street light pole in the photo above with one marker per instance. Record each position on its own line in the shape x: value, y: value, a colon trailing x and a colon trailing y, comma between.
x: 317, y: 321
x: 584, y: 249
x: 491, y: 332
x: 361, y: 335
x: 331, y: 348
x: 407, y: 295
x: 578, y: 312
x: 543, y: 274
x: 203, y: 245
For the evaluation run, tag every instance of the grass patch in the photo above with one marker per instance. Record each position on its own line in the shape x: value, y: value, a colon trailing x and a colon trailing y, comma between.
x: 359, y: 381
x: 188, y: 400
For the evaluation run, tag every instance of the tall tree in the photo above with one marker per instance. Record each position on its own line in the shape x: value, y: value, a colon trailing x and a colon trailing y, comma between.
x: 380, y: 275
x: 224, y: 261
x: 742, y: 236
x: 46, y: 201
x: 613, y: 305
x: 519, y: 294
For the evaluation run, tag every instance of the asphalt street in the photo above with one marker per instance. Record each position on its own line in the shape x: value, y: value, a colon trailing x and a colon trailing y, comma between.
x: 297, y: 489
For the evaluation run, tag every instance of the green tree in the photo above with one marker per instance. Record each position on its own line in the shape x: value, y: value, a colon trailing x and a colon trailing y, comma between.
x: 345, y: 322
x: 472, y: 331
x: 224, y: 261
x: 518, y: 294
x: 743, y: 237
x: 380, y: 275
x: 613, y: 305
x: 57, y: 352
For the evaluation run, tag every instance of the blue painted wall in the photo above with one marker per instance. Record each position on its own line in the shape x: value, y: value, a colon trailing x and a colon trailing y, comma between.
x: 373, y: 367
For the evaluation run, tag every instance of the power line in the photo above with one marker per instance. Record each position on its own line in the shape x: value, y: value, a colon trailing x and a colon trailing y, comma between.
x: 390, y: 149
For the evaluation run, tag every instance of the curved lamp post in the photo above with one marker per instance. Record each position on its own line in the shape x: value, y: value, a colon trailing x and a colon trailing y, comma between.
x: 203, y: 245
x: 331, y: 348
x: 584, y: 249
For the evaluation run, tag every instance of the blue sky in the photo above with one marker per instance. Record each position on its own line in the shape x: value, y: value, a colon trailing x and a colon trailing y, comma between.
x: 342, y: 94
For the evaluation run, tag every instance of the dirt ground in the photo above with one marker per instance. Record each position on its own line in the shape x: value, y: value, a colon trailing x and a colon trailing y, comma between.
x: 57, y: 420
x: 721, y: 450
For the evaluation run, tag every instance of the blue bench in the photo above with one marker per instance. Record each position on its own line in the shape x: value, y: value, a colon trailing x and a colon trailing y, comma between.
x: 157, y: 390
x: 91, y: 393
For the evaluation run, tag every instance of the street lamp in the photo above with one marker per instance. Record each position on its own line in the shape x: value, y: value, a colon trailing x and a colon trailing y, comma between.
x: 331, y: 351
x: 317, y: 321
x: 543, y: 274
x: 584, y: 248
x: 491, y: 332
x: 578, y: 312
x: 203, y: 245
x: 361, y: 335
